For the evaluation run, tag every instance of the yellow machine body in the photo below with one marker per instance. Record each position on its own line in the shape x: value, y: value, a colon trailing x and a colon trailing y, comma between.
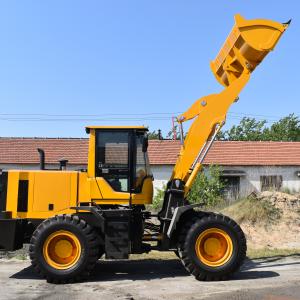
x: 51, y: 192
x: 248, y: 43
x: 47, y: 192
x: 56, y: 192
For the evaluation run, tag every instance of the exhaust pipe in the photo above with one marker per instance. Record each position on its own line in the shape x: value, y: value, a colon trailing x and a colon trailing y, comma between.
x: 42, y: 158
x: 63, y: 164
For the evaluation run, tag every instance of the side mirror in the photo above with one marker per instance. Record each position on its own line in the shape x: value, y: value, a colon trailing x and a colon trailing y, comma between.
x: 145, y: 143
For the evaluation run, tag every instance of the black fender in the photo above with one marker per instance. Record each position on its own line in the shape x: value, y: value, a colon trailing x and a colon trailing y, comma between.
x: 178, y: 215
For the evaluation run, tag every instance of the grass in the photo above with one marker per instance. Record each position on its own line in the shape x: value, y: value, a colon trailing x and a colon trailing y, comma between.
x: 157, y: 255
x: 266, y: 252
x: 21, y: 257
x: 252, y: 210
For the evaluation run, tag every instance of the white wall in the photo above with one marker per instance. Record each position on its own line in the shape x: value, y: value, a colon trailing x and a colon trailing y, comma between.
x: 290, y: 179
x: 251, y: 181
x: 161, y: 174
x: 248, y: 183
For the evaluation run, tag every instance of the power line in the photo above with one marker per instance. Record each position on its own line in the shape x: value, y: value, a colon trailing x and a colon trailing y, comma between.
x: 113, y: 117
x: 90, y: 115
x: 127, y: 114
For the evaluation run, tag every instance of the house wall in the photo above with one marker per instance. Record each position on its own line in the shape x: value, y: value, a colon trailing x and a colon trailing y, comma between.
x: 251, y: 181
x: 248, y: 183
x: 161, y: 174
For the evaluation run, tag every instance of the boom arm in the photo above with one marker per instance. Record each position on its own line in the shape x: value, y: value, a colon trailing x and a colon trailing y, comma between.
x: 246, y: 46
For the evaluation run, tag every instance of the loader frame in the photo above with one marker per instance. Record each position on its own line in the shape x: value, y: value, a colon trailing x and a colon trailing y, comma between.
x: 102, y: 210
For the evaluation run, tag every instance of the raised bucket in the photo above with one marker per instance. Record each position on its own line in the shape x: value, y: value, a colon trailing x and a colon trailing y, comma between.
x: 246, y: 46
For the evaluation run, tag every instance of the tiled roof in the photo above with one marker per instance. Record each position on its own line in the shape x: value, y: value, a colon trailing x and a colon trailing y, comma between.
x: 241, y: 153
x: 24, y: 150
x: 165, y: 152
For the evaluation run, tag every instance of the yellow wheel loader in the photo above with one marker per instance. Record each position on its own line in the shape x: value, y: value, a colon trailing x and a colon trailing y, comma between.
x: 72, y: 218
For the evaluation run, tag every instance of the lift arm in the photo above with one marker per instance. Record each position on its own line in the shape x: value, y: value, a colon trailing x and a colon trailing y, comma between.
x: 246, y: 46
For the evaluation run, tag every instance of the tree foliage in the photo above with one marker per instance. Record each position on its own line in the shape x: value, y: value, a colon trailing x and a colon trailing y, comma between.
x: 172, y: 132
x: 250, y: 129
x: 286, y: 129
x: 156, y: 134
x: 158, y: 198
x: 153, y: 135
x: 207, y: 188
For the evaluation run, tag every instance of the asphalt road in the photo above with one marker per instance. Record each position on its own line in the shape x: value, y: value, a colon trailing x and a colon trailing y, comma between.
x: 268, y: 279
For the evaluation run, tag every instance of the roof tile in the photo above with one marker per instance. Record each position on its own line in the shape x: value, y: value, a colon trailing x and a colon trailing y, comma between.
x: 161, y: 152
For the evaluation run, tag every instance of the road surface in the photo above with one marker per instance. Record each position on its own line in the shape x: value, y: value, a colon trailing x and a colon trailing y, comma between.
x: 269, y: 279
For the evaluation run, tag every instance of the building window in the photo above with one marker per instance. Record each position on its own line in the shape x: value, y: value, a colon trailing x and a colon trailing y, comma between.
x: 273, y: 182
x: 231, y: 188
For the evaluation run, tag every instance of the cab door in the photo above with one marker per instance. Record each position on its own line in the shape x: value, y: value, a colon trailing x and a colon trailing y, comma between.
x: 112, y: 163
x: 112, y: 159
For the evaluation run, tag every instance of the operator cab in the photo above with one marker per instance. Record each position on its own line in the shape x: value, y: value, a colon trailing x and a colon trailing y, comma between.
x: 120, y: 156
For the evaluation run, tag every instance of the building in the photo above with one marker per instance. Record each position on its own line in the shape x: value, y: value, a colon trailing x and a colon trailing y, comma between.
x: 246, y: 166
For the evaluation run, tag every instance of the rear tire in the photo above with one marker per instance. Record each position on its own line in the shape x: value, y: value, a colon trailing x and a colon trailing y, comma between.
x: 64, y: 249
x: 212, y: 247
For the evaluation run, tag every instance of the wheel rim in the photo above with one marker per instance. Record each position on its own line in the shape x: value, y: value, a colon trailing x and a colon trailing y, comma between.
x: 62, y: 250
x: 214, y: 247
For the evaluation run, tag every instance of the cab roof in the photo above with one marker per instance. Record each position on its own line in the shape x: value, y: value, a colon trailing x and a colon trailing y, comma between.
x: 87, y: 128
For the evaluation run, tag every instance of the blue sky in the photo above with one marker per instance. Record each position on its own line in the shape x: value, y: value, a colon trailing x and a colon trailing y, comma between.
x: 67, y: 64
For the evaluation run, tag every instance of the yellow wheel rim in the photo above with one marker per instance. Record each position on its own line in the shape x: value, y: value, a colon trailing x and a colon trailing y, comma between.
x: 214, y: 247
x: 62, y: 250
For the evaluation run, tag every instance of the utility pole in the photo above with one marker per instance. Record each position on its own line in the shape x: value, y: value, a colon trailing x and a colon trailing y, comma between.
x: 174, y: 129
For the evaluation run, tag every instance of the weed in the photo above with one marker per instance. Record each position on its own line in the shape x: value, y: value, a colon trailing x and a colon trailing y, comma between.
x: 253, y: 210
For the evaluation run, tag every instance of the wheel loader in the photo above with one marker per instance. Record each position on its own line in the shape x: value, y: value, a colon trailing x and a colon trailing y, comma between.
x: 73, y: 218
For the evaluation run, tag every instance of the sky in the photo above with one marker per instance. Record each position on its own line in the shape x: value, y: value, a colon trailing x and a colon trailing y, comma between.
x: 68, y: 64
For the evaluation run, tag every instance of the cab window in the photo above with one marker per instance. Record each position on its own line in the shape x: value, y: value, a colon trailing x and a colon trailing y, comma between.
x: 142, y: 169
x: 112, y: 158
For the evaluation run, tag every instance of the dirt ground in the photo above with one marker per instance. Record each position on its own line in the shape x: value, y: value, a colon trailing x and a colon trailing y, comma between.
x: 282, y: 233
x: 269, y: 278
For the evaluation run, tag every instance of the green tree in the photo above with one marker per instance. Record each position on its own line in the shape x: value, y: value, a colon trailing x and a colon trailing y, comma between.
x: 170, y: 134
x: 154, y: 135
x: 158, y: 198
x: 286, y: 129
x: 221, y: 136
x: 249, y: 129
x: 207, y: 188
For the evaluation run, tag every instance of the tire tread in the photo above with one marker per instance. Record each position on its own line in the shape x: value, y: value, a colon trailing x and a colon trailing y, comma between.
x: 185, y: 238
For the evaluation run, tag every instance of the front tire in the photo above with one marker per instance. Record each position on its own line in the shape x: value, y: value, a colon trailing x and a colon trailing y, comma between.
x: 64, y: 249
x: 212, y: 247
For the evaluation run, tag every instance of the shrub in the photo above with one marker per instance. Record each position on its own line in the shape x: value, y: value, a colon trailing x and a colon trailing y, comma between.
x: 207, y: 188
x: 158, y: 198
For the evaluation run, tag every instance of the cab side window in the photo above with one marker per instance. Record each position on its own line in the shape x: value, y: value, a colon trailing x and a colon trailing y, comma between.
x: 112, y: 158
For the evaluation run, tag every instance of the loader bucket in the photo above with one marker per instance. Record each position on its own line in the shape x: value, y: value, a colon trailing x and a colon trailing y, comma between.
x: 245, y: 47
